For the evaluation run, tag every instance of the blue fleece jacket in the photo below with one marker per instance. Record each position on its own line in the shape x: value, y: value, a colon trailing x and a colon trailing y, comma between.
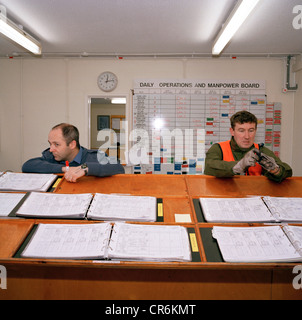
x: 48, y: 164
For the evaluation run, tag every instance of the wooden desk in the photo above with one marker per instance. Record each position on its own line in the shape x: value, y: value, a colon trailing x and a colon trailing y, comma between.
x: 70, y: 279
x: 241, y: 186
x: 143, y: 185
x: 12, y: 233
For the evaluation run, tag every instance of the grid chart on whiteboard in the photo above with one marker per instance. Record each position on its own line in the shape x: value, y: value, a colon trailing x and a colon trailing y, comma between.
x: 177, y: 121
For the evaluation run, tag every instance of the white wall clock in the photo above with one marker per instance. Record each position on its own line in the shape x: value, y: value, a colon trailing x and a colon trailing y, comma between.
x: 107, y: 81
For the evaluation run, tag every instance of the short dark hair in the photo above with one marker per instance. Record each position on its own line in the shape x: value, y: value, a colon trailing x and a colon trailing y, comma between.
x: 243, y: 117
x: 69, y: 132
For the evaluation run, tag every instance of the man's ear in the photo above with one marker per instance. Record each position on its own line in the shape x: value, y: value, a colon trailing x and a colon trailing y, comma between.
x: 73, y: 144
x: 232, y: 131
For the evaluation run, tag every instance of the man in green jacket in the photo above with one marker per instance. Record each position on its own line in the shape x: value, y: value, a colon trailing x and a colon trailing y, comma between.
x: 242, y: 156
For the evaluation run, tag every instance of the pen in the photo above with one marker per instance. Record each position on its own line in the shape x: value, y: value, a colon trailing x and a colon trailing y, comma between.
x: 67, y: 165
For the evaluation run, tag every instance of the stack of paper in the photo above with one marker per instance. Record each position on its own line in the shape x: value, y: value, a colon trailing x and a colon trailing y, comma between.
x: 259, y: 244
x: 8, y: 201
x: 235, y: 210
x: 285, y: 209
x: 72, y: 241
x: 12, y: 181
x: 122, y: 207
x: 52, y: 205
x: 149, y: 242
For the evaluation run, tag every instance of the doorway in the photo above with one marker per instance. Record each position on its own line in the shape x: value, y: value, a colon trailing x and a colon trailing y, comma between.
x: 107, y: 125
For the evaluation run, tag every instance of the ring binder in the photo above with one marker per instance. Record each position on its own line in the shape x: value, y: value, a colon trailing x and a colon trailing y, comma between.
x: 120, y: 241
x: 253, y: 209
x: 14, y: 181
x: 258, y: 244
x: 285, y: 209
x: 50, y: 205
x: 86, y: 205
x: 122, y: 207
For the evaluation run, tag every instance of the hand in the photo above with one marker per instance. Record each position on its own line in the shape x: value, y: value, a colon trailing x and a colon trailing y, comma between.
x: 269, y: 164
x: 74, y: 173
x: 249, y: 160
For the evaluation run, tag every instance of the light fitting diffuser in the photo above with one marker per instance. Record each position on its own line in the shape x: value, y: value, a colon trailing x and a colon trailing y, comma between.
x: 239, y: 14
x: 118, y: 100
x: 13, y: 32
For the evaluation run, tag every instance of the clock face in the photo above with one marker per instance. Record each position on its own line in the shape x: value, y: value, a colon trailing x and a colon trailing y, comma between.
x: 107, y: 81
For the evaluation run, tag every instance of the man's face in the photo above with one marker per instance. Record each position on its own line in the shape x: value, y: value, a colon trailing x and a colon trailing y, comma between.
x: 244, y: 134
x: 58, y: 147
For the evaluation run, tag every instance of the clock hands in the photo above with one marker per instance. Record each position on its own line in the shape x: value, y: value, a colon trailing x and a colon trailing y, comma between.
x: 108, y: 79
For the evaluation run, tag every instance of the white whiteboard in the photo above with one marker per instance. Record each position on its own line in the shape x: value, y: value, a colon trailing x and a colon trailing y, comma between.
x: 192, y: 115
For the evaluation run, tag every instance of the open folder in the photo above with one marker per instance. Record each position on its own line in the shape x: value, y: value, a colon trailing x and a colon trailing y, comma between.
x: 252, y: 209
x: 260, y: 244
x: 122, y: 241
x: 15, y: 181
x: 95, y: 207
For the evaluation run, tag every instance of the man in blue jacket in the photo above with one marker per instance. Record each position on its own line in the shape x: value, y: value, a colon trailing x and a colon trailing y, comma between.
x: 66, y: 155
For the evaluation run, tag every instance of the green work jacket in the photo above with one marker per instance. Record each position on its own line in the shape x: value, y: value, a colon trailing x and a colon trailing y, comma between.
x: 215, y: 166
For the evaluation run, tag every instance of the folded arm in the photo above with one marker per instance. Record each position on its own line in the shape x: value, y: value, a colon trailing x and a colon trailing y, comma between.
x: 41, y: 165
x: 47, y: 164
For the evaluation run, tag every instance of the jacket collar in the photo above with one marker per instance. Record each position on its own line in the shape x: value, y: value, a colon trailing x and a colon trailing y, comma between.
x: 236, y: 148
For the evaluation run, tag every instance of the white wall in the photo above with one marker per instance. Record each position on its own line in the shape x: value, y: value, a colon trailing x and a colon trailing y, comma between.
x: 36, y: 94
x: 297, y: 138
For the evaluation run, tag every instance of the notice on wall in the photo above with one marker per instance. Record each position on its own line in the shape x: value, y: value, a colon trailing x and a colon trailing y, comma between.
x: 177, y: 121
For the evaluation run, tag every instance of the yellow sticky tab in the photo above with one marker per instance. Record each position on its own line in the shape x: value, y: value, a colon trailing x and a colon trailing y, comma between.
x: 160, y: 212
x: 57, y: 182
x: 193, y: 242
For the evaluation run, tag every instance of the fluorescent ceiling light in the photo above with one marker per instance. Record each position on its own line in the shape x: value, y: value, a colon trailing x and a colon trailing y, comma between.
x: 239, y: 14
x: 118, y: 100
x: 13, y: 32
